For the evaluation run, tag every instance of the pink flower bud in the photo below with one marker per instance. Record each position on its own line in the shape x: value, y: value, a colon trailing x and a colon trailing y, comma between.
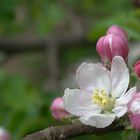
x: 4, y: 135
x: 137, y: 68
x: 101, y: 50
x: 112, y: 45
x: 134, y: 110
x: 135, y: 120
x: 57, y: 109
x: 114, y: 29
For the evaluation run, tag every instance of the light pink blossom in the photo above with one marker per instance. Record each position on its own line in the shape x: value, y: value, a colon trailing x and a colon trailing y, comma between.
x: 102, y: 95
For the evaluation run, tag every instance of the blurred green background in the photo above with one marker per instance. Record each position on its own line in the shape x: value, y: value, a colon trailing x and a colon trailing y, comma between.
x: 42, y: 42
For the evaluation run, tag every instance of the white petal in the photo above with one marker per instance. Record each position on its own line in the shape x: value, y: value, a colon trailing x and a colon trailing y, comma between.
x: 98, y: 120
x: 120, y: 110
x: 121, y: 103
x: 125, y: 98
x: 78, y: 102
x: 93, y: 76
x: 119, y: 76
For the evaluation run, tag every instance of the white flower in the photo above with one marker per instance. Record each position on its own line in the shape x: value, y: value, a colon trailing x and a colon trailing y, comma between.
x: 103, y: 94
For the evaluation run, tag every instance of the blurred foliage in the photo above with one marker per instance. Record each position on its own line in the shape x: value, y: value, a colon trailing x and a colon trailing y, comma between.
x: 42, y: 17
x: 25, y: 106
x: 21, y: 105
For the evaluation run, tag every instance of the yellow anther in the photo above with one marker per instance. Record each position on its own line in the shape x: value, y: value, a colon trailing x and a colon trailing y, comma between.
x: 101, y: 98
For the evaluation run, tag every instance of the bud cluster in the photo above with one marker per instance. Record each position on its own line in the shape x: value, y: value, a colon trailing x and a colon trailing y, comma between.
x: 114, y: 43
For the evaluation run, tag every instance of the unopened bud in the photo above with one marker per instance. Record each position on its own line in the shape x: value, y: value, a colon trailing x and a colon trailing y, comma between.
x: 114, y: 29
x: 137, y: 68
x: 112, y: 45
x: 134, y: 111
x: 4, y: 135
x: 57, y: 109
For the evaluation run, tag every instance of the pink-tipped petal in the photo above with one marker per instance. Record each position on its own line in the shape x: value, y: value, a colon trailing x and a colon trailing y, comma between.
x: 114, y: 29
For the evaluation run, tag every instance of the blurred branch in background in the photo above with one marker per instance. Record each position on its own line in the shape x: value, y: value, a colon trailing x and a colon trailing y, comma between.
x: 50, y: 45
x: 30, y: 43
x: 53, y: 64
x: 75, y: 21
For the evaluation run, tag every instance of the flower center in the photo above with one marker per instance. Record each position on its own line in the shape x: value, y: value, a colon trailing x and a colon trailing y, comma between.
x: 101, y: 98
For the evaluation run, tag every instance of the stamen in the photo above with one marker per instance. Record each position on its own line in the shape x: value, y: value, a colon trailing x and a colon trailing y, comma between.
x: 101, y: 98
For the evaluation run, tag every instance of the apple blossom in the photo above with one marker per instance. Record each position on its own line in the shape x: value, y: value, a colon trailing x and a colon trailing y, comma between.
x: 112, y: 45
x: 57, y: 109
x: 137, y: 68
x: 134, y: 111
x: 102, y: 95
